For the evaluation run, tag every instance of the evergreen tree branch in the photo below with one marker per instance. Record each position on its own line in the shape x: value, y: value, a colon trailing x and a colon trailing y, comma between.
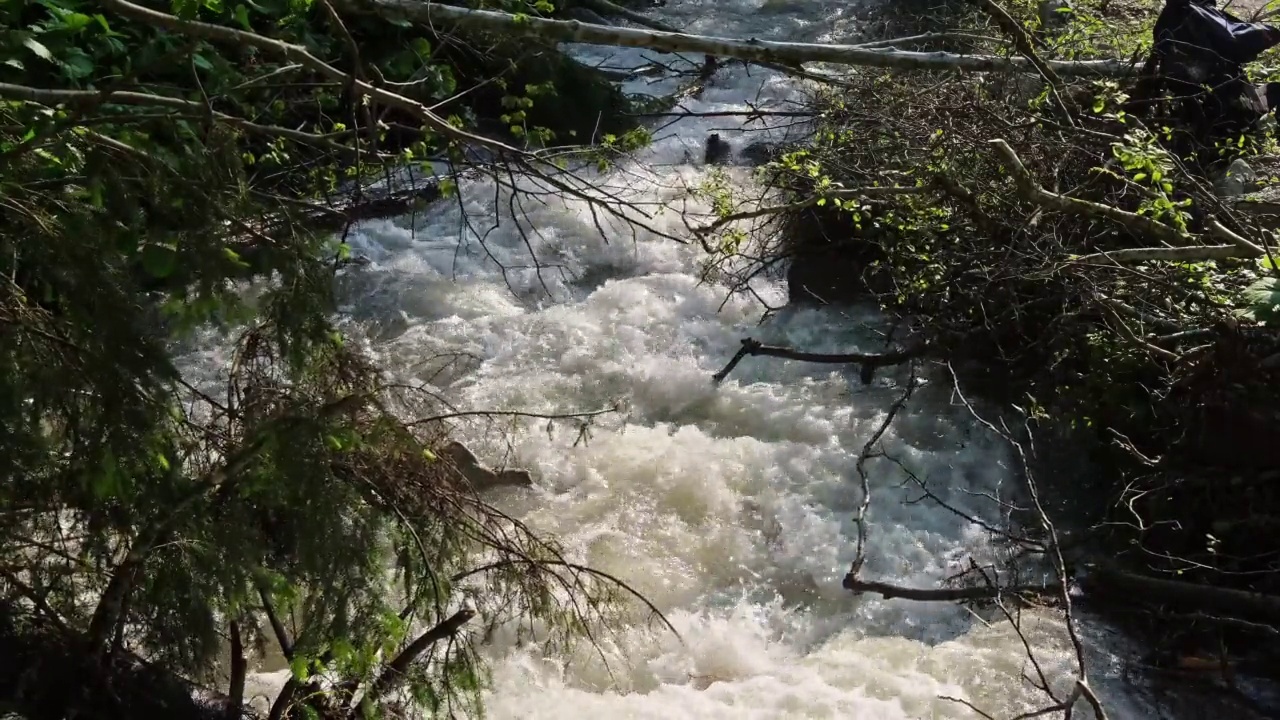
x: 395, y: 670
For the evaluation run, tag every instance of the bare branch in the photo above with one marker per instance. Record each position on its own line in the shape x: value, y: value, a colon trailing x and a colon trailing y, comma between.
x: 752, y: 50
x: 753, y: 348
x: 980, y: 592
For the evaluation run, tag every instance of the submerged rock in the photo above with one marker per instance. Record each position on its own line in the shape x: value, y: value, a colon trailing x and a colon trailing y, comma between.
x: 482, y: 478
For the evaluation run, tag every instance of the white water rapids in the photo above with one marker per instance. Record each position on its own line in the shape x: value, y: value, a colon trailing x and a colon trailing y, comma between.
x: 730, y: 507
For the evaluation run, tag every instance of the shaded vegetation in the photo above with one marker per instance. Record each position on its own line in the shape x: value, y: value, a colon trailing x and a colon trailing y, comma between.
x: 151, y: 158
x: 1166, y: 367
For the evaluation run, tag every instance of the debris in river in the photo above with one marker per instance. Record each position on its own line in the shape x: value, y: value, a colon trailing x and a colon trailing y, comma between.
x: 717, y: 150
x: 480, y: 477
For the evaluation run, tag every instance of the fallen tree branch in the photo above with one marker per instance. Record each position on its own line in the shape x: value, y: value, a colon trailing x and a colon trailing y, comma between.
x: 753, y: 50
x: 925, y: 38
x: 751, y: 347
x: 1033, y: 192
x: 1022, y: 42
x: 1196, y: 253
x: 1128, y: 587
x: 978, y: 592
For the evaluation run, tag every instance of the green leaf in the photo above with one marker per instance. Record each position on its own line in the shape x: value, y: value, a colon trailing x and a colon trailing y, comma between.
x: 14, y: 62
x: 242, y: 16
x: 78, y: 65
x: 38, y: 48
x: 75, y: 22
x: 1263, y: 298
x: 300, y: 668
x: 202, y: 62
x: 159, y: 261
x: 234, y: 257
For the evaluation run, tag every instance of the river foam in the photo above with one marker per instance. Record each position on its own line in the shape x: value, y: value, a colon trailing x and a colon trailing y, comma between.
x: 731, y: 507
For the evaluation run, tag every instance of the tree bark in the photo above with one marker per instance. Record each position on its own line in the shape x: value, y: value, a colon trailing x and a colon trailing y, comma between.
x: 751, y: 50
x: 239, y: 670
x: 394, y: 672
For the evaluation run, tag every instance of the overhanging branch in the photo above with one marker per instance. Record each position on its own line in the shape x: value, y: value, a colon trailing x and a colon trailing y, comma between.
x: 868, y: 361
x: 752, y: 50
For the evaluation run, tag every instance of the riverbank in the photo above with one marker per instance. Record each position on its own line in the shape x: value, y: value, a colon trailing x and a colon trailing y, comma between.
x: 991, y: 211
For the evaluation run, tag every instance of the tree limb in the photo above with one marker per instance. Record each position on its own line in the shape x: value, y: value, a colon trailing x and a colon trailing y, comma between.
x: 396, y: 669
x: 239, y: 670
x: 1195, y: 253
x: 889, y: 592
x: 752, y: 50
x: 1033, y: 192
x: 754, y: 348
x: 93, y: 98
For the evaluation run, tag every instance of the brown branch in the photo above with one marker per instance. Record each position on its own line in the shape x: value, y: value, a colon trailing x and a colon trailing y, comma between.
x: 755, y: 348
x: 239, y: 670
x: 1022, y: 42
x: 1035, y: 193
x: 983, y: 592
x: 395, y: 671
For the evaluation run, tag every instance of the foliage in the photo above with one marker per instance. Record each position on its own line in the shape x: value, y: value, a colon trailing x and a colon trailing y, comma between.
x: 148, y: 168
x: 1161, y: 365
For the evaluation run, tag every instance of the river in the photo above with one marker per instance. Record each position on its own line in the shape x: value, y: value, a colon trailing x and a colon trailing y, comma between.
x: 730, y: 507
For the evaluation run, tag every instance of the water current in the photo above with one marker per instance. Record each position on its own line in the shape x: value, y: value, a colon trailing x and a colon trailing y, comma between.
x: 730, y: 507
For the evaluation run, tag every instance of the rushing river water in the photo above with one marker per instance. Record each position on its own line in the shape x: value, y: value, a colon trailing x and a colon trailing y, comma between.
x: 731, y: 507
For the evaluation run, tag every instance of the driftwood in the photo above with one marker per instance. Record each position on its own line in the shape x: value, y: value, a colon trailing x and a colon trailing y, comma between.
x: 868, y: 361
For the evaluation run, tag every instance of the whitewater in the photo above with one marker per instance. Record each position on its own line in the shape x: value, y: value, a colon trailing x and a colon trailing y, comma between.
x: 731, y: 507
